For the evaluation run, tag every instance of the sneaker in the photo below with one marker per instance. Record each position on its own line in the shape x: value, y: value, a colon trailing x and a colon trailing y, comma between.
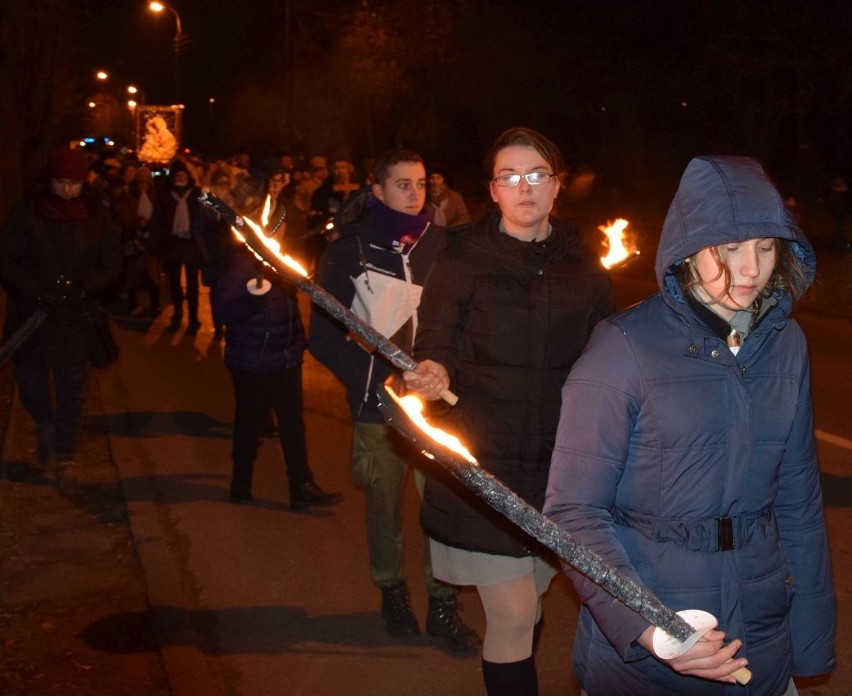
x: 444, y: 622
x: 310, y: 494
x: 396, y: 611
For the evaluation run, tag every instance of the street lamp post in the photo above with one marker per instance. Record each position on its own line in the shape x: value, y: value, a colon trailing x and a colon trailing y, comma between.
x: 160, y: 7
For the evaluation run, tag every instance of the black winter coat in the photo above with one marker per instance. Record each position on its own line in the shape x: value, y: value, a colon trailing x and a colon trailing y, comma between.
x: 34, y: 252
x: 507, y: 319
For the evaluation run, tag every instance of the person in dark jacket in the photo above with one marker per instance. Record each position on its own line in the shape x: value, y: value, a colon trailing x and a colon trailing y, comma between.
x: 59, y: 251
x: 178, y: 228
x: 505, y: 312
x: 264, y: 348
x: 445, y: 206
x: 141, y: 269
x: 377, y: 268
x: 685, y: 453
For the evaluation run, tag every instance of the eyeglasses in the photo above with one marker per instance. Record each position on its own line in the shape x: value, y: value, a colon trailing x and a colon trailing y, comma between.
x: 533, y: 178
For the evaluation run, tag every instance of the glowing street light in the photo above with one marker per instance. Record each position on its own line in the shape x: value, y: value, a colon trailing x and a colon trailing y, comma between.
x: 159, y: 7
x: 102, y: 75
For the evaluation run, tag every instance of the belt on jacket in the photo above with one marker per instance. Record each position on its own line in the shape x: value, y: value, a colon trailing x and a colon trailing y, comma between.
x: 708, y: 534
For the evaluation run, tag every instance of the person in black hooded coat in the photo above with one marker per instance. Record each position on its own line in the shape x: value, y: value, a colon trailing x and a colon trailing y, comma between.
x: 505, y: 312
x: 59, y: 251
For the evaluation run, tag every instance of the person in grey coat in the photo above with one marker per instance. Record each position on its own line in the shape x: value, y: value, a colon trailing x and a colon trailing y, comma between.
x: 685, y: 453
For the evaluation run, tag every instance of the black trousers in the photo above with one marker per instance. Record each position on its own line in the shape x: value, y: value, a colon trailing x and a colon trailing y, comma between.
x: 183, y: 253
x: 255, y: 393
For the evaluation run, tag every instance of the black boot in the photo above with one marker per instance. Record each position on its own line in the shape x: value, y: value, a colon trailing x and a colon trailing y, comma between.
x: 510, y: 678
x: 310, y: 494
x: 396, y: 611
x: 444, y: 622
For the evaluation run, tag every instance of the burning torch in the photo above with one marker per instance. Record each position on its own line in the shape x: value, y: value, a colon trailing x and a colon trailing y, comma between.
x: 619, y: 254
x: 675, y: 632
x: 260, y: 285
x: 268, y: 251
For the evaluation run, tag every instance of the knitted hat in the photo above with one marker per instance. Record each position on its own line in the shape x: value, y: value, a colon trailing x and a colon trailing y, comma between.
x: 65, y: 163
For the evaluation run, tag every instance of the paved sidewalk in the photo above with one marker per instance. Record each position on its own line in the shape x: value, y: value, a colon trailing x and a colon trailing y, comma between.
x: 67, y: 559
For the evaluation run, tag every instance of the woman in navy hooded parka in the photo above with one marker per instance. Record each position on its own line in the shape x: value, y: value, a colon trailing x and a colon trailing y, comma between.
x: 685, y: 453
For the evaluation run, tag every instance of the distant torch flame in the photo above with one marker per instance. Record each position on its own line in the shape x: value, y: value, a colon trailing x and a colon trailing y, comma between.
x: 413, y: 407
x: 616, y: 243
x: 270, y: 243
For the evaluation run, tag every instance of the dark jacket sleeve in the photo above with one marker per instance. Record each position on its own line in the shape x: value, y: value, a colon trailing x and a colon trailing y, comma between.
x: 14, y: 277
x: 442, y: 314
x: 801, y: 524
x: 328, y: 339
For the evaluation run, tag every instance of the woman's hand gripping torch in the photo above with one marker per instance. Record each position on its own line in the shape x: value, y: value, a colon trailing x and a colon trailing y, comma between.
x: 268, y: 251
x: 674, y: 634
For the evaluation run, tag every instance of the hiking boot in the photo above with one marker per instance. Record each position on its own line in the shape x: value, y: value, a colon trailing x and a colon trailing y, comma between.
x: 444, y: 622
x: 309, y: 494
x: 396, y: 611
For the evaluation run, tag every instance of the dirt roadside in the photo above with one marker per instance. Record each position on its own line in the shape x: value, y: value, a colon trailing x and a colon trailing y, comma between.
x: 67, y: 559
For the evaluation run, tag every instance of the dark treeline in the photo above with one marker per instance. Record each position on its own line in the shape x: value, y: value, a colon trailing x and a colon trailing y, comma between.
x: 629, y: 89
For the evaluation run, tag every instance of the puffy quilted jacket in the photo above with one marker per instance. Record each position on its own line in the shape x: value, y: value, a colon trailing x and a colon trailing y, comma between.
x: 694, y: 470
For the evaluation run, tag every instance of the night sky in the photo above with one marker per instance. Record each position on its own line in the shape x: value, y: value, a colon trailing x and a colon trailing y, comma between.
x: 679, y: 77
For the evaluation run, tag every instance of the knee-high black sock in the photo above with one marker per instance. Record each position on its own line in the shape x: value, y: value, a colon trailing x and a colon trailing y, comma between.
x: 510, y: 678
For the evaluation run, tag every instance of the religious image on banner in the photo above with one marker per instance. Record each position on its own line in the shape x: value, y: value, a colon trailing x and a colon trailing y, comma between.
x: 158, y: 131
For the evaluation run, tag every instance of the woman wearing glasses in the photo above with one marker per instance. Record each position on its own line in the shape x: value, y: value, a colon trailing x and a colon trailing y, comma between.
x: 504, y: 314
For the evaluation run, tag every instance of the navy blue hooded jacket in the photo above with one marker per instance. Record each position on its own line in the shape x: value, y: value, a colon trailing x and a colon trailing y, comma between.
x: 263, y: 333
x: 664, y: 430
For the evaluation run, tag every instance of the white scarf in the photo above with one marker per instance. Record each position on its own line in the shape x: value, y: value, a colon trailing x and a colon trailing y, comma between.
x: 180, y: 224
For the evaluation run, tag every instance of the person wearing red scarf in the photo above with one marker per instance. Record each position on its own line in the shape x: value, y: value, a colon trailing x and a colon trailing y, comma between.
x: 58, y: 252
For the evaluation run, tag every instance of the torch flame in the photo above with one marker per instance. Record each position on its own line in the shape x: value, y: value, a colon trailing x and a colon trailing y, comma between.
x: 267, y: 207
x: 618, y: 250
x: 413, y: 407
x: 270, y: 243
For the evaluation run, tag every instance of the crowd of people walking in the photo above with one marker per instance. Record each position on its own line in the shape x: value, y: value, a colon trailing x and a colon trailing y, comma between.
x: 674, y: 438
